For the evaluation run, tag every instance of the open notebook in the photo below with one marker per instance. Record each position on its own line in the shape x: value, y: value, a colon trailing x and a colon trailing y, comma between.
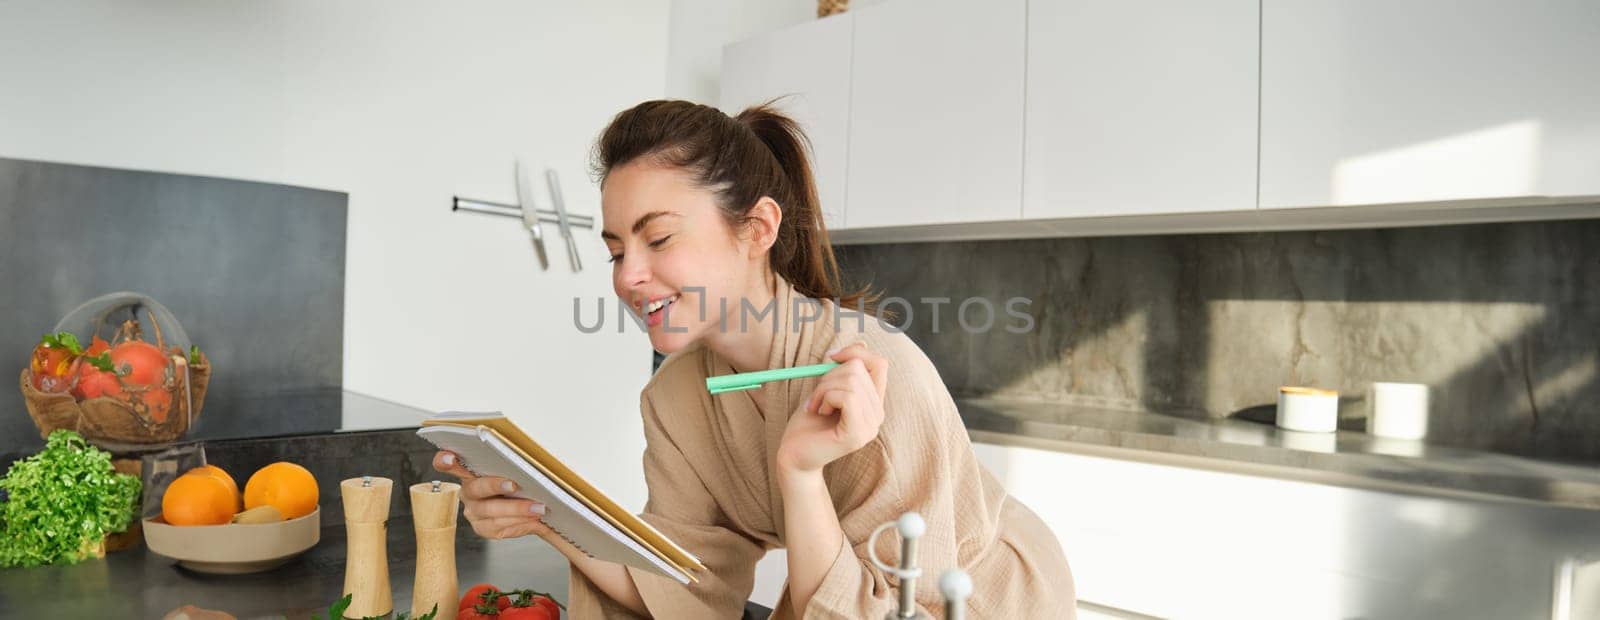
x: 490, y: 444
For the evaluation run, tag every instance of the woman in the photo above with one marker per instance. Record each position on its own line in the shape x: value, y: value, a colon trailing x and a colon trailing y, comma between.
x: 716, y: 240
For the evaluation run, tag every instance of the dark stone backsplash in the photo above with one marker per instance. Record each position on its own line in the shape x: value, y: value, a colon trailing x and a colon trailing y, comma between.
x: 1501, y: 320
x: 253, y: 271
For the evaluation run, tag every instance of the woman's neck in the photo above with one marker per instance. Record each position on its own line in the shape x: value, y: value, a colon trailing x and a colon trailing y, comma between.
x: 747, y: 341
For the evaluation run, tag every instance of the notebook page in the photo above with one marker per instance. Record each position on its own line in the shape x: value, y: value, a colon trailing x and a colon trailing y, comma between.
x: 486, y: 454
x: 641, y: 531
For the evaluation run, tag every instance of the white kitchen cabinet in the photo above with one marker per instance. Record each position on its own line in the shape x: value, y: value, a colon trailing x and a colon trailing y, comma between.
x: 939, y: 120
x: 1370, y: 102
x: 936, y: 113
x: 1142, y: 107
x: 809, y: 66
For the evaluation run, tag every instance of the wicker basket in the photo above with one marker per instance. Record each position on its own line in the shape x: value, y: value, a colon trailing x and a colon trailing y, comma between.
x: 114, y: 423
x: 831, y: 7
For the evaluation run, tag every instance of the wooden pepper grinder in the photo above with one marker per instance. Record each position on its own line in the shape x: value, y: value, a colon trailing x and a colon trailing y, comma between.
x: 433, y: 512
x: 366, y: 563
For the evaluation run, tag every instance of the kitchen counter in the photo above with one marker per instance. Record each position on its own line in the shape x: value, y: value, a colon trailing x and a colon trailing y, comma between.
x: 137, y: 583
x: 1345, y: 458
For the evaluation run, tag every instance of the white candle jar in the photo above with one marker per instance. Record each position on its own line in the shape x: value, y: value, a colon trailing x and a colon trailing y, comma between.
x: 1309, y: 410
x: 1398, y: 410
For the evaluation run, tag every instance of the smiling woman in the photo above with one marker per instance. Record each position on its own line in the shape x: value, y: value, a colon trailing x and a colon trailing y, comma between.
x: 715, y: 238
x: 712, y: 205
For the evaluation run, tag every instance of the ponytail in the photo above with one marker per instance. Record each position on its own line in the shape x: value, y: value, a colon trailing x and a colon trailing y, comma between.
x: 758, y: 153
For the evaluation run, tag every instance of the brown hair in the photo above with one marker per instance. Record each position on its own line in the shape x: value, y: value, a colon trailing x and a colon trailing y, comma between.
x: 742, y: 158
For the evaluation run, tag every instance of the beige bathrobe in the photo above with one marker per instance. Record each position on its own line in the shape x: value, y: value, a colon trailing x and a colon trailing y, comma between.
x: 708, y: 463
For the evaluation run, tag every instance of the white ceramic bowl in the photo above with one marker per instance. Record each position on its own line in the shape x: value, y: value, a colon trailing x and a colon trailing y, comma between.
x: 234, y: 548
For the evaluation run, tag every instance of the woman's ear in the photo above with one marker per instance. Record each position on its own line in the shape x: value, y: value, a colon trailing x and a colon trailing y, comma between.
x: 764, y: 219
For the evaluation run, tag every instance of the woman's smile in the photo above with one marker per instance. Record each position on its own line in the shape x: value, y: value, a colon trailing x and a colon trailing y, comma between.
x: 656, y: 311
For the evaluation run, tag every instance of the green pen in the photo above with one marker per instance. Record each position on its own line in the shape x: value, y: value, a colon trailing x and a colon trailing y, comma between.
x: 753, y: 380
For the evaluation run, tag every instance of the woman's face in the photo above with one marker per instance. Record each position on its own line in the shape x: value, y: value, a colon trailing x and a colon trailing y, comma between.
x: 668, y: 241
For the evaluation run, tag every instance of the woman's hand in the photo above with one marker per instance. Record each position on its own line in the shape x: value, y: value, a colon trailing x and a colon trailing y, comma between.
x: 495, y: 515
x: 842, y: 415
x: 489, y: 508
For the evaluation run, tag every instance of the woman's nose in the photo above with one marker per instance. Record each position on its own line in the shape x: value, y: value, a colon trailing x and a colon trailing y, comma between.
x: 632, y: 274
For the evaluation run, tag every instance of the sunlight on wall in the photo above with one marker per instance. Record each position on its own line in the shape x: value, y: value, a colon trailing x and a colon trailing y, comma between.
x: 1494, y: 162
x: 1569, y: 381
x: 1322, y: 343
x: 1340, y: 345
x: 1107, y: 365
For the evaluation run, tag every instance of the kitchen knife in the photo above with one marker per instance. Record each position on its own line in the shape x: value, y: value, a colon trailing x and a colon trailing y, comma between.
x: 561, y: 218
x: 530, y: 213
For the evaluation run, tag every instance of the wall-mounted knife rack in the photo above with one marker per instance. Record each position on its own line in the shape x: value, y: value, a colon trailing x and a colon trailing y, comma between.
x: 533, y: 218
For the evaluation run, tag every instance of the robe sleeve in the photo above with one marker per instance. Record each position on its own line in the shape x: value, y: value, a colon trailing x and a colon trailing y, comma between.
x: 681, y: 506
x: 922, y: 462
x: 853, y: 588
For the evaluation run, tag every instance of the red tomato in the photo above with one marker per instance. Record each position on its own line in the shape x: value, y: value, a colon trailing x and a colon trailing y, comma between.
x: 481, y: 612
x: 474, y: 597
x: 140, y: 363
x: 535, y: 612
x: 139, y: 374
x: 53, y: 365
x: 529, y: 599
x: 94, y: 383
x: 97, y: 345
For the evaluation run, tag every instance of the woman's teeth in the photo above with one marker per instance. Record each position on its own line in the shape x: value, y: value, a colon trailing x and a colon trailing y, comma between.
x: 659, y: 304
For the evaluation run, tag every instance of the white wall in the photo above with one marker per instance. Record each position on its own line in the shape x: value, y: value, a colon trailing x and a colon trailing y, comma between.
x: 700, y: 28
x: 401, y: 104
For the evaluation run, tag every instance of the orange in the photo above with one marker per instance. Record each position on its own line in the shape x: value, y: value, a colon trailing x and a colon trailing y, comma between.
x: 197, y: 500
x: 285, y: 486
x: 217, y: 472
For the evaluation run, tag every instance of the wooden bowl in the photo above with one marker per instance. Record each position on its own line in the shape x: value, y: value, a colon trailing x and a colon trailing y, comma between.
x: 234, y: 549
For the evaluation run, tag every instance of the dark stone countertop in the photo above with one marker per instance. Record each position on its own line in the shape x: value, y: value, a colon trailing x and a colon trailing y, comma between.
x: 1344, y: 457
x: 138, y: 583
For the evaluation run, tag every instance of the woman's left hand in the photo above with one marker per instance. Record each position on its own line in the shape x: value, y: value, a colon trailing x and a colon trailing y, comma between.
x: 843, y: 414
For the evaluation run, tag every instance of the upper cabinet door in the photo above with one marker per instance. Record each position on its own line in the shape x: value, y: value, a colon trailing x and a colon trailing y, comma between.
x: 1370, y: 102
x: 936, y: 113
x: 1141, y: 107
x: 809, y: 67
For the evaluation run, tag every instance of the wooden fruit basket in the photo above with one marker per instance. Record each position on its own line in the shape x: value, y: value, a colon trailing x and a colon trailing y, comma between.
x: 107, y: 419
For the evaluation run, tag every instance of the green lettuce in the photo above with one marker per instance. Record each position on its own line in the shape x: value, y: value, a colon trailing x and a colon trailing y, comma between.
x: 60, y: 503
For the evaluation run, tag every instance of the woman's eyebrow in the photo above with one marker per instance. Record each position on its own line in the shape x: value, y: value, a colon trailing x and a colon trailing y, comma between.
x: 638, y: 225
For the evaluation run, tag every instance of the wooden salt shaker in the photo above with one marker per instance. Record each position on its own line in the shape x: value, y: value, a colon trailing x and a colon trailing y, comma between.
x: 433, y: 512
x: 366, y: 565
